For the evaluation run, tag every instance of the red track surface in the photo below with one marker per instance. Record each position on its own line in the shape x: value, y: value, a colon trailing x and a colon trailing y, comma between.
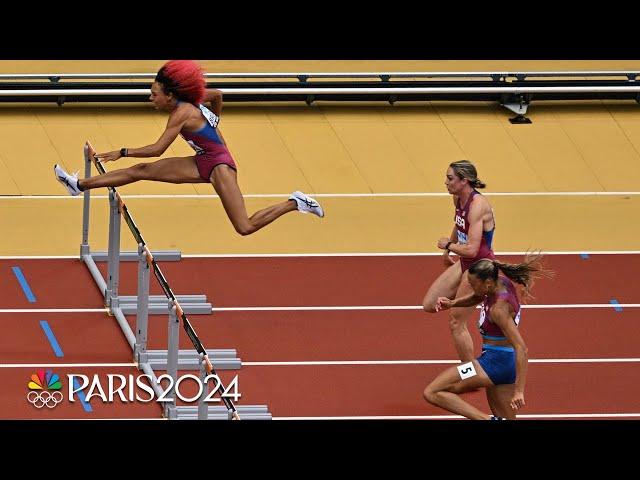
x: 84, y: 338
x: 397, y: 389
x: 399, y: 335
x: 301, y: 281
x: 337, y: 335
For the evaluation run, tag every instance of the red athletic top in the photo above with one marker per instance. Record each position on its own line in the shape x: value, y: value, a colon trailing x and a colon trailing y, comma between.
x: 488, y: 329
x: 462, y: 229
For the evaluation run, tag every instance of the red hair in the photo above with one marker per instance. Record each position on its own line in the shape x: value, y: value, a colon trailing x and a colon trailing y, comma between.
x: 183, y: 78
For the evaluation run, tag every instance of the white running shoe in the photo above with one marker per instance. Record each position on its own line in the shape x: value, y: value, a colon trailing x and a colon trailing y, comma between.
x: 69, y: 181
x: 307, y: 204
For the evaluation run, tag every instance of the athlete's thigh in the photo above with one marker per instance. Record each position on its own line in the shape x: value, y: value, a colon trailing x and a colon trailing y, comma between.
x: 174, y: 170
x: 464, y: 289
x: 445, y: 285
x: 450, y: 380
x: 225, y: 182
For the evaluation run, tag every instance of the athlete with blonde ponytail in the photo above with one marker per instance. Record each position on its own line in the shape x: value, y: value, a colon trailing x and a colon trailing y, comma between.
x: 470, y: 240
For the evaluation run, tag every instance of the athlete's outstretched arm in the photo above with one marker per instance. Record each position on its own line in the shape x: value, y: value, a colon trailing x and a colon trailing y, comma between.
x: 444, y: 303
x: 174, y: 125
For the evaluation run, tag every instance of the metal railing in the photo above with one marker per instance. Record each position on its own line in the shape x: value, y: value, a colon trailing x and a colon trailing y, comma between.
x: 512, y: 89
x: 304, y: 76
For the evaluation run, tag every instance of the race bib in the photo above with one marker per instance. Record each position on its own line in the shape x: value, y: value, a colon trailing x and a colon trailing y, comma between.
x: 462, y: 237
x: 483, y: 315
x: 211, y: 117
x: 467, y: 370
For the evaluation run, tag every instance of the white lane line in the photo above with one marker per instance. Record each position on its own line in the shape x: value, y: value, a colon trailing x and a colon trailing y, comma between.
x: 66, y: 365
x: 322, y: 308
x: 329, y: 255
x: 54, y: 310
x: 455, y: 417
x: 38, y: 257
x: 325, y: 362
x: 110, y: 419
x: 169, y: 196
x: 407, y: 307
x: 428, y: 362
x: 391, y: 254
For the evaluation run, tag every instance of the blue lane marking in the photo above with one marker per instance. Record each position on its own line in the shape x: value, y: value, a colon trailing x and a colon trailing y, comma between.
x: 81, y: 396
x: 584, y: 256
x: 616, y: 305
x: 58, y: 351
x: 24, y: 284
x: 52, y: 338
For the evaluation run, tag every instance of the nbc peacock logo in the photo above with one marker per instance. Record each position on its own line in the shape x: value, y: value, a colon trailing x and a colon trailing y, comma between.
x: 44, y: 389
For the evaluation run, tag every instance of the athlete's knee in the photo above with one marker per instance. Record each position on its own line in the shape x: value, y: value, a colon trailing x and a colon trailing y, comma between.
x: 456, y: 323
x: 431, y: 395
x: 244, y: 229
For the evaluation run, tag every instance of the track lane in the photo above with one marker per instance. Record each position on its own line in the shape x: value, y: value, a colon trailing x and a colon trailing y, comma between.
x: 399, y: 335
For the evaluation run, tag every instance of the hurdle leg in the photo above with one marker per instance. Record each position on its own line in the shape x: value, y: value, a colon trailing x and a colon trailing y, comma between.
x: 203, y: 407
x: 142, y: 313
x: 113, y: 267
x: 84, y: 246
x: 172, y: 359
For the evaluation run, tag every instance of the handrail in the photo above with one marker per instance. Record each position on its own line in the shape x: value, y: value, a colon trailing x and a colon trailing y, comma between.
x: 330, y: 90
x: 631, y: 74
x: 507, y: 88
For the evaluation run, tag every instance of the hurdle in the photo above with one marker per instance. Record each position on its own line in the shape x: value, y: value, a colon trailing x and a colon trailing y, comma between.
x: 177, y: 307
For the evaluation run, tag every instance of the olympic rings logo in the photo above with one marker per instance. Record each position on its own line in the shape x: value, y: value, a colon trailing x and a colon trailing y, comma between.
x: 45, y: 398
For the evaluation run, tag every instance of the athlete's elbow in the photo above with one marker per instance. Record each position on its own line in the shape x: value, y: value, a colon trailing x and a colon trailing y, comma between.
x: 156, y: 151
x: 429, y: 306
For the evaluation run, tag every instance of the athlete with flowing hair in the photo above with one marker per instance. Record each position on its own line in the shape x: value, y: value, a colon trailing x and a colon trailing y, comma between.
x: 502, y: 367
x: 180, y: 89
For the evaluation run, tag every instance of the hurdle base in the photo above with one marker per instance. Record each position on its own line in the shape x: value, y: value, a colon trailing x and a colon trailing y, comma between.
x: 245, y: 412
x: 163, y: 308
x: 222, y: 359
x: 182, y: 299
x: 132, y: 256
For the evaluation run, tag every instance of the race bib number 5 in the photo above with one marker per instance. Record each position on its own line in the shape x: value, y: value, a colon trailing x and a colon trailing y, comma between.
x: 467, y: 370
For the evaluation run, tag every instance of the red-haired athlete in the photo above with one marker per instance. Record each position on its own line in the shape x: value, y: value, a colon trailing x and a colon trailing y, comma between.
x: 179, y: 88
